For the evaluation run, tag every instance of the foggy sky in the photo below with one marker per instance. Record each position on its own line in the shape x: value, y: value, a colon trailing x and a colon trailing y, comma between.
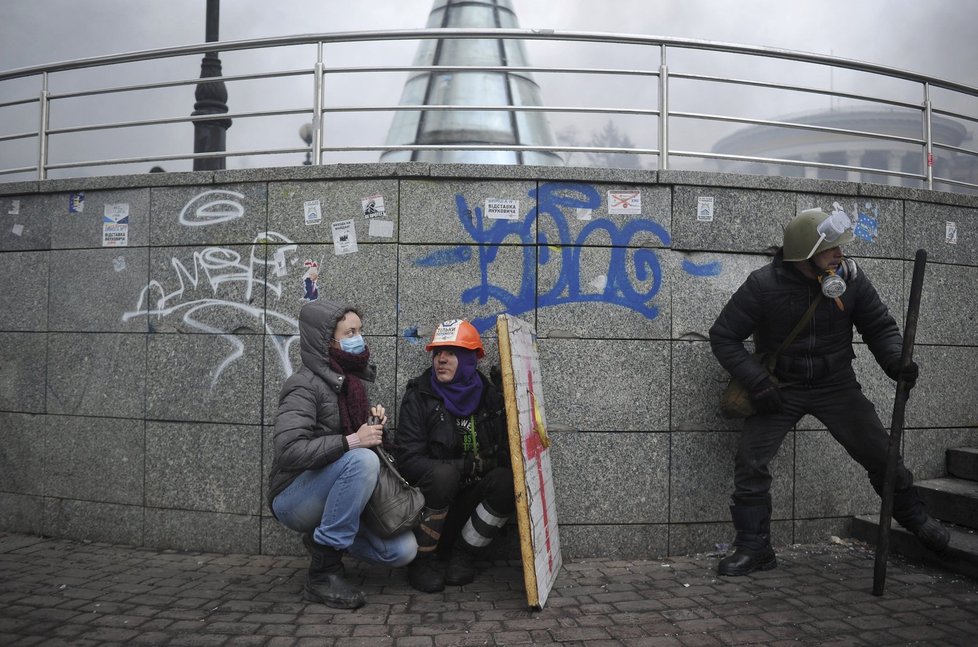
x: 933, y: 37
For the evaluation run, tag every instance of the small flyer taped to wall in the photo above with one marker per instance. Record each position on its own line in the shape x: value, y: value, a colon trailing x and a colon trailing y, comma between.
x: 76, y: 202
x: 381, y: 228
x: 704, y: 208
x: 313, y: 210
x: 502, y: 209
x: 625, y: 202
x: 373, y: 206
x: 344, y: 237
x: 115, y: 225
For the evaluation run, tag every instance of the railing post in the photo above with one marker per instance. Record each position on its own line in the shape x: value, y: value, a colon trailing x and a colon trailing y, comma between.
x: 928, y: 138
x: 663, y: 110
x: 42, y: 130
x: 317, y: 107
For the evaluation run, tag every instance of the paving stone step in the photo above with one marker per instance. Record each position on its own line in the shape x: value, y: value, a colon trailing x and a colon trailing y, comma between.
x: 962, y: 462
x: 952, y: 500
x: 961, y: 555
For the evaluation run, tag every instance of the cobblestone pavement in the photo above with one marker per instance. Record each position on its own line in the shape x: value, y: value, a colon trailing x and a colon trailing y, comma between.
x: 62, y: 592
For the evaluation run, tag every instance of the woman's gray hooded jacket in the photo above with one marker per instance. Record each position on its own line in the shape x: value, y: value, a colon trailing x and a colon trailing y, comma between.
x: 308, y: 431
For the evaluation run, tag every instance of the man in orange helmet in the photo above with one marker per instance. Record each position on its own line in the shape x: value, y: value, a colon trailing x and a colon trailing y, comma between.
x: 451, y: 442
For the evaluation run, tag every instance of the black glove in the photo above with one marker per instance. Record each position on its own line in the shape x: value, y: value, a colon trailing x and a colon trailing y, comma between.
x: 483, y: 465
x: 909, y: 374
x: 766, y: 398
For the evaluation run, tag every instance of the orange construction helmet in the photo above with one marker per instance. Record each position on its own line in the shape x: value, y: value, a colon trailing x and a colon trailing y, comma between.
x: 458, y: 333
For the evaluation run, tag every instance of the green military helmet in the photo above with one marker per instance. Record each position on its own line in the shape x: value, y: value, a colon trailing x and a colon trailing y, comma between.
x: 813, y: 231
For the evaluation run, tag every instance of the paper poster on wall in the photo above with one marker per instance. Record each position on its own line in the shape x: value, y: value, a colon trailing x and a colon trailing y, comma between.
x: 373, y: 206
x: 951, y: 233
x: 380, y: 228
x: 76, y: 202
x: 313, y: 211
x: 704, y: 208
x: 625, y: 202
x: 529, y: 446
x: 502, y: 209
x: 344, y: 237
x: 14, y: 208
x: 115, y: 225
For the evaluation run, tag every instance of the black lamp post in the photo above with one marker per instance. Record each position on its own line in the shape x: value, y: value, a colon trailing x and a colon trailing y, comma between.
x: 212, y: 97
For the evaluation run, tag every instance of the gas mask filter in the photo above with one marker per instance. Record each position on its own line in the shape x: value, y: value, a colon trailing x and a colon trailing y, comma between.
x: 833, y: 285
x: 834, y: 282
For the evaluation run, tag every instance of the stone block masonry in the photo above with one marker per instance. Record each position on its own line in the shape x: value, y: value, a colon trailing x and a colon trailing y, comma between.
x: 147, y: 323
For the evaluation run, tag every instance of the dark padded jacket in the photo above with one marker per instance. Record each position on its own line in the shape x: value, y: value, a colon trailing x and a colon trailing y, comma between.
x: 308, y: 431
x: 426, y: 432
x: 771, y: 302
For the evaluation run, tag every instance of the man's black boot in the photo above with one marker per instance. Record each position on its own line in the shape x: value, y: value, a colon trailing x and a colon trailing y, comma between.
x: 461, y: 566
x: 324, y: 580
x: 932, y: 534
x: 753, y: 543
x: 909, y: 512
x: 424, y: 574
x: 747, y: 560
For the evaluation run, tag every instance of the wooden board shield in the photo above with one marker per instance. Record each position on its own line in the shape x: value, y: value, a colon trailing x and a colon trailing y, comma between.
x: 536, y: 509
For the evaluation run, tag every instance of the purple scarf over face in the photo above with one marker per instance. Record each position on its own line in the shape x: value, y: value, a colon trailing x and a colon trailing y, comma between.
x: 463, y: 394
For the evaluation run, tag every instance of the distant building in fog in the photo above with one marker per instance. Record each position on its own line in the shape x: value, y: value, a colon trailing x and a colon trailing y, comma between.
x: 851, y: 150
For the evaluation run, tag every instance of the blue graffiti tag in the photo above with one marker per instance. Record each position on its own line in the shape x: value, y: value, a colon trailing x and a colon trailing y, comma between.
x: 706, y: 269
x: 551, y: 200
x: 450, y: 256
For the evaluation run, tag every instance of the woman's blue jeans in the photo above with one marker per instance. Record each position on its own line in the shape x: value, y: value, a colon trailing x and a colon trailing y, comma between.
x: 329, y: 502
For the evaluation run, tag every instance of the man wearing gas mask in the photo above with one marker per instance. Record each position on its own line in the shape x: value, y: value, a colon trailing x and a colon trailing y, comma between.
x: 812, y: 375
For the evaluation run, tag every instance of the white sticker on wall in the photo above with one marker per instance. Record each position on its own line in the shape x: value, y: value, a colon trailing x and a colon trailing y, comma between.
x: 380, y: 228
x: 704, y: 208
x: 502, y: 209
x: 14, y: 208
x: 951, y: 233
x: 17, y: 230
x: 583, y: 213
x: 625, y: 202
x: 344, y: 237
x: 313, y: 210
x: 373, y: 206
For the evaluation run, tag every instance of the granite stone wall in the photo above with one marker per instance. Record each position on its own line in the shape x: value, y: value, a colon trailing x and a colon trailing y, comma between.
x: 147, y: 323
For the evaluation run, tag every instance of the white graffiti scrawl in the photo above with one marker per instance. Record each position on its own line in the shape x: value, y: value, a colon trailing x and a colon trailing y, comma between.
x: 212, y: 212
x: 196, y: 291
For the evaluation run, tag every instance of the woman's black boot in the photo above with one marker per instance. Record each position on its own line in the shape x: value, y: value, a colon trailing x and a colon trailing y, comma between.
x: 324, y: 581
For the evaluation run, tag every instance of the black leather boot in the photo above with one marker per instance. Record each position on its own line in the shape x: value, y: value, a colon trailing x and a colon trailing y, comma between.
x: 909, y: 512
x: 753, y: 543
x: 324, y: 580
x: 461, y: 566
x: 932, y: 534
x: 747, y: 560
x: 425, y: 575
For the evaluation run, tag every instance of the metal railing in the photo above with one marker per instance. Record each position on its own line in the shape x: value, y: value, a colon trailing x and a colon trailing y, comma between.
x: 950, y: 161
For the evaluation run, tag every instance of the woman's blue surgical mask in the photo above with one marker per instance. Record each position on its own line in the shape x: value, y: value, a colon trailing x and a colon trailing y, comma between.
x: 353, y: 344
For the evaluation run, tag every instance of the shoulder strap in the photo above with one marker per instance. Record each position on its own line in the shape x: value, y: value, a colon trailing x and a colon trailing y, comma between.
x: 805, y: 318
